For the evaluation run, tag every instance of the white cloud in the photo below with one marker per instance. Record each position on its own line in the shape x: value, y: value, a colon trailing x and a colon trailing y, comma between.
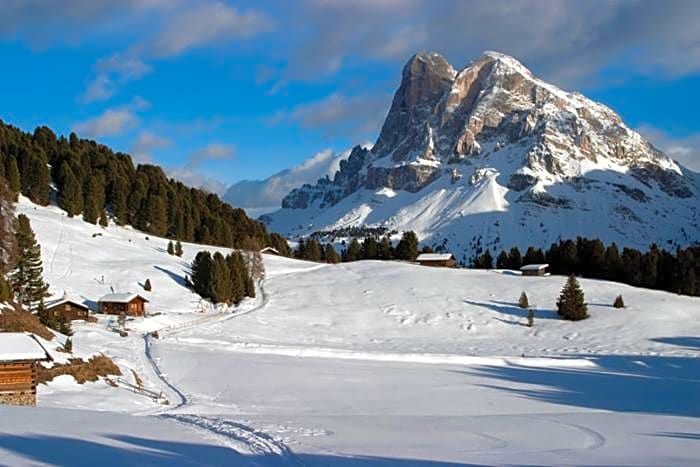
x: 685, y: 150
x: 357, y: 117
x: 205, y: 24
x: 192, y: 177
x: 145, y: 143
x: 113, y: 121
x: 258, y: 196
x: 212, y: 151
x: 111, y: 73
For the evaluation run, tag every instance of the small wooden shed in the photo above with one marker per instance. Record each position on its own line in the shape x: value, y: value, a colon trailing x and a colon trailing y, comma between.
x: 534, y: 269
x: 20, y: 355
x: 130, y: 304
x: 440, y: 260
x: 268, y: 250
x: 70, y: 310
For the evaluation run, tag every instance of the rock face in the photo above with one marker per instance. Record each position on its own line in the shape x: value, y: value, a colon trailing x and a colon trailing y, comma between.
x: 494, y: 117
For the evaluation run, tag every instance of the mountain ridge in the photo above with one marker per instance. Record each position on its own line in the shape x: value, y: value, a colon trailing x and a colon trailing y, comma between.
x: 494, y: 138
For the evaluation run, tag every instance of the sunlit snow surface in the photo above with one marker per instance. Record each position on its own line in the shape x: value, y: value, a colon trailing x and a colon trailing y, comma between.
x: 367, y: 363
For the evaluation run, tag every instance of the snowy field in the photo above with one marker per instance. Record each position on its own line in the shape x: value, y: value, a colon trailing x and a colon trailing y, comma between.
x: 366, y: 363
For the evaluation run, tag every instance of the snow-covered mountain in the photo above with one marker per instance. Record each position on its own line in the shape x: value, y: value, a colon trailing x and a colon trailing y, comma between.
x: 262, y: 196
x: 493, y: 156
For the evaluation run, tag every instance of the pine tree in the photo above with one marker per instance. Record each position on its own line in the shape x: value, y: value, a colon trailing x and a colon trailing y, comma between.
x: 407, y: 249
x: 236, y: 266
x: 484, y: 261
x: 221, y: 291
x: 147, y: 285
x: 619, y: 302
x: 515, y: 260
x: 12, y: 175
x: 571, y: 303
x: 178, y: 248
x: 354, y: 251
x: 26, y: 278
x: 201, y: 274
x: 70, y: 197
x: 522, y: 301
x: 330, y: 254
x: 104, y: 221
x: 171, y: 248
x: 63, y: 326
x: 312, y: 251
x: 370, y: 248
x: 5, y: 290
x: 502, y: 260
x: 45, y: 317
x: 8, y: 241
x: 385, y: 249
x: 68, y: 345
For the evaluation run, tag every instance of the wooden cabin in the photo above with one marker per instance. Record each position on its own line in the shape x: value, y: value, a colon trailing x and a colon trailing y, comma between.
x: 20, y: 355
x: 130, y: 304
x: 69, y: 309
x: 440, y: 260
x: 534, y: 270
x: 268, y: 250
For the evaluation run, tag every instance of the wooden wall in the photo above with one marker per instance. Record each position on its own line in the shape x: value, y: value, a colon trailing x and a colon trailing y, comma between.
x: 18, y: 383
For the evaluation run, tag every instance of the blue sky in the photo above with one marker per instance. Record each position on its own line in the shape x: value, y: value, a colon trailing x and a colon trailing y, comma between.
x: 219, y: 91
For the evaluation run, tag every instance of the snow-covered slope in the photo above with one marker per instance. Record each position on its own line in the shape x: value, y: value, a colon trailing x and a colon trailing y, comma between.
x: 365, y: 363
x: 492, y: 155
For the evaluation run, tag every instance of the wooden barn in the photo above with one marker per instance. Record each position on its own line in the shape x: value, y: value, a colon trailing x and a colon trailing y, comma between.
x: 20, y: 355
x: 130, y: 304
x: 534, y: 270
x: 268, y: 250
x: 70, y: 310
x: 440, y: 260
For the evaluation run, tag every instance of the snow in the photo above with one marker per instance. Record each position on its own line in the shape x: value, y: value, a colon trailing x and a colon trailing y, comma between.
x: 434, y: 257
x: 534, y: 267
x: 18, y: 346
x: 376, y: 363
x: 119, y: 297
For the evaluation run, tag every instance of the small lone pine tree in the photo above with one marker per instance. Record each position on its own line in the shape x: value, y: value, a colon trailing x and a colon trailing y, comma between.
x: 571, y: 303
x: 171, y: 248
x: 68, y: 345
x: 26, y: 278
x: 530, y: 317
x: 522, y: 301
x: 619, y: 302
x: 63, y: 326
x: 147, y: 285
x: 178, y: 248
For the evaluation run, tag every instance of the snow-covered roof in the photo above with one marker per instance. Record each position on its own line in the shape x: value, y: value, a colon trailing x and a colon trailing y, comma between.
x: 434, y: 257
x: 120, y: 297
x: 61, y: 301
x: 16, y: 346
x: 270, y: 249
x: 534, y: 267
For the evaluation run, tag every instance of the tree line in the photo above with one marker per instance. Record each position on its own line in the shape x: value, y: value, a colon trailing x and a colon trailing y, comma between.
x: 369, y: 248
x: 92, y: 180
x: 656, y: 268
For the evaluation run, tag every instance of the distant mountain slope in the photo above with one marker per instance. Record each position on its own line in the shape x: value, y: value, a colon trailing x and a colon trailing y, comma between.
x: 491, y: 156
x: 261, y: 196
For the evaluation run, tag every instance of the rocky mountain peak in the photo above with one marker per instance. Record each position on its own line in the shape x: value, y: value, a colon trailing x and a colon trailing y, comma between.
x: 494, y: 121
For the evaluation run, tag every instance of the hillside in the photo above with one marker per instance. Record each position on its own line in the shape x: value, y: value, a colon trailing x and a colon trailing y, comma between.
x: 89, y: 180
x: 378, y: 363
x: 493, y: 157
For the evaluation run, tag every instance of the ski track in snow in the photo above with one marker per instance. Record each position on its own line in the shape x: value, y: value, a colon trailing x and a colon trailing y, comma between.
x: 230, y: 433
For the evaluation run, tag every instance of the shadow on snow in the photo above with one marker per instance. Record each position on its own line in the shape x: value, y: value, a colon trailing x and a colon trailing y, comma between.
x: 63, y: 451
x: 640, y: 384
